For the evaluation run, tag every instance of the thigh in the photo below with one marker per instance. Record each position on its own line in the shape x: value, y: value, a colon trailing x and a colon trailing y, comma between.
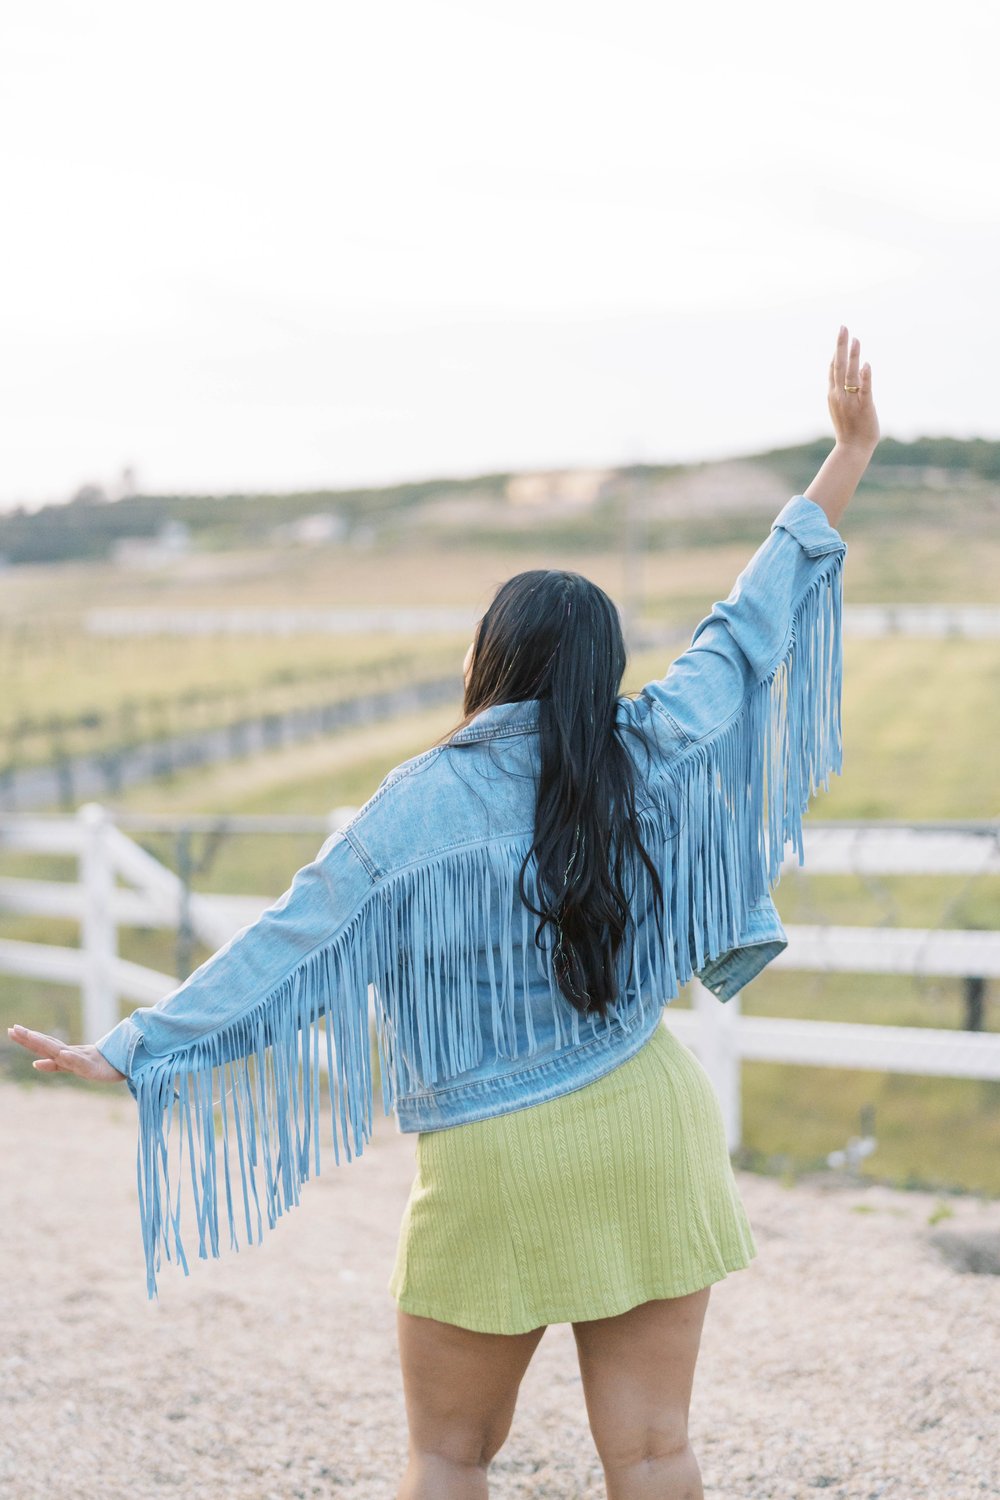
x: 460, y: 1386
x: 638, y: 1372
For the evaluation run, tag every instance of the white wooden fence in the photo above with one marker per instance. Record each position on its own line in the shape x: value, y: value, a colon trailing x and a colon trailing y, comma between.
x: 971, y: 621
x: 967, y: 620
x: 132, y: 621
x: 718, y: 1033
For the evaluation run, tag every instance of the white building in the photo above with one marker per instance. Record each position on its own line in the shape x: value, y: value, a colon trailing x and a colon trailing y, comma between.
x: 173, y: 540
x: 321, y: 526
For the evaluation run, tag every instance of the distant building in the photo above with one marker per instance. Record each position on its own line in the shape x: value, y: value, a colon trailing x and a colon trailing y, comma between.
x: 572, y: 488
x: 321, y: 526
x: 173, y: 540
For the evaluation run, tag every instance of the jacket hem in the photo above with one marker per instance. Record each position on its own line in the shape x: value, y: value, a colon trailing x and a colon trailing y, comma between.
x: 485, y: 1097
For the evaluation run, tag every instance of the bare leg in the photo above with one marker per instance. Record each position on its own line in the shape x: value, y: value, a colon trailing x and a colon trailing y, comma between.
x: 460, y: 1389
x: 638, y: 1372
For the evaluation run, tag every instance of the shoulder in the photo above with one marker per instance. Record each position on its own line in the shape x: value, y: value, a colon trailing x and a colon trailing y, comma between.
x: 415, y: 765
x: 394, y: 784
x: 422, y: 807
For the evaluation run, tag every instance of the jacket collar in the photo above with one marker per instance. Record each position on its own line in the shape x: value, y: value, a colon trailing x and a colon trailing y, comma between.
x: 506, y: 718
x: 499, y: 719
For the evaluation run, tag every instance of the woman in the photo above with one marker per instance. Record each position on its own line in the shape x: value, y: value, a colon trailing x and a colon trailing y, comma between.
x: 520, y: 902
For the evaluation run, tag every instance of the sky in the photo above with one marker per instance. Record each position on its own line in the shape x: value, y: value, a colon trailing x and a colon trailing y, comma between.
x: 268, y: 247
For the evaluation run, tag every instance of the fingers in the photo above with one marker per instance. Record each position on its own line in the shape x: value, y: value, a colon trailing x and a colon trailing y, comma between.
x: 53, y: 1055
x: 36, y: 1041
x: 849, y: 398
x: 846, y: 368
x: 853, y: 361
x: 840, y: 359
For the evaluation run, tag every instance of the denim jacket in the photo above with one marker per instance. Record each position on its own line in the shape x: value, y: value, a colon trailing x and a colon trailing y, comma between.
x: 411, y: 912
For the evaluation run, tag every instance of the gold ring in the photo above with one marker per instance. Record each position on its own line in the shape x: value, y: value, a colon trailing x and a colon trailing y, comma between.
x: 852, y: 388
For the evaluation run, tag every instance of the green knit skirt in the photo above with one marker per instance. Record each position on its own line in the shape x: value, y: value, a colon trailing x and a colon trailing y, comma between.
x: 579, y: 1207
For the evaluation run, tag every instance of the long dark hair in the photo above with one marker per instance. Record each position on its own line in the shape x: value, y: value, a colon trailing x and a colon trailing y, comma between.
x: 555, y: 636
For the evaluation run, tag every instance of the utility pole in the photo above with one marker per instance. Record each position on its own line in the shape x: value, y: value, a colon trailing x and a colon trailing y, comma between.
x: 632, y: 544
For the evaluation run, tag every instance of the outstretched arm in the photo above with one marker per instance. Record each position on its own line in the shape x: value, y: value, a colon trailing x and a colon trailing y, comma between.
x: 211, y: 1003
x: 245, y: 1026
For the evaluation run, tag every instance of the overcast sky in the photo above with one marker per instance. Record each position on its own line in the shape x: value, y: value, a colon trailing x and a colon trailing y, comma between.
x: 266, y: 246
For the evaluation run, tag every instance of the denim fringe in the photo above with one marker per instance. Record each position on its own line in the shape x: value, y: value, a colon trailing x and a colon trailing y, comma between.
x: 720, y: 818
x: 743, y: 790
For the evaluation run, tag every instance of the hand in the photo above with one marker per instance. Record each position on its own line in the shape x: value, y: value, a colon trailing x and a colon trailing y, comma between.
x: 855, y: 420
x: 56, y: 1057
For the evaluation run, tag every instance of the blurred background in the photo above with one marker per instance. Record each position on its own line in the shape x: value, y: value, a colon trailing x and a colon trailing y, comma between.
x: 319, y: 323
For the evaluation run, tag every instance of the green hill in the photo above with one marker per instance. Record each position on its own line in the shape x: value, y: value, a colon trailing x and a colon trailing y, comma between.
x: 88, y: 527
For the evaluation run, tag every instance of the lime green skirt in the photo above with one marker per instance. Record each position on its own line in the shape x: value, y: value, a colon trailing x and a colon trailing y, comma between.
x: 580, y: 1207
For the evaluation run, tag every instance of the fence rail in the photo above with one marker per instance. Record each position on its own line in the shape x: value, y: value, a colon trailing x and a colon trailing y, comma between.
x: 933, y: 619
x: 980, y: 621
x: 721, y: 1036
x: 107, y: 769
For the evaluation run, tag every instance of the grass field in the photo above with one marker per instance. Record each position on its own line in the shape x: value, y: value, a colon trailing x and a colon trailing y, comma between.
x: 67, y: 693
x: 50, y: 666
x: 921, y: 723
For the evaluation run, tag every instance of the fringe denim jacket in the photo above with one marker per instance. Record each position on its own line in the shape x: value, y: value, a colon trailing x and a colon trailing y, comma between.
x: 412, y: 909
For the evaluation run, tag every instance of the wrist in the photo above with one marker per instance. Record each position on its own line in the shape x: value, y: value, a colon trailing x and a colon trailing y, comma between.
x: 857, y: 450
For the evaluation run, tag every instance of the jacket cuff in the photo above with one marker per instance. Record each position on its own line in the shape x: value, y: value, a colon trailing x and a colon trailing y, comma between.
x: 810, y: 526
x: 119, y: 1046
x: 761, y: 940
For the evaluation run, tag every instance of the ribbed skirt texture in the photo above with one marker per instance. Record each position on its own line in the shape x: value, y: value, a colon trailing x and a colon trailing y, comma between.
x: 580, y: 1207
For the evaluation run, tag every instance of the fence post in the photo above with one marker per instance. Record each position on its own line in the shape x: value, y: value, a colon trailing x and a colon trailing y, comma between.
x: 98, y: 934
x: 974, y: 988
x: 719, y: 1055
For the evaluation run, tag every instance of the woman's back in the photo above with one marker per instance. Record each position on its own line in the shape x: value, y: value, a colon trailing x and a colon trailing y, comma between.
x: 726, y: 749
x: 412, y: 909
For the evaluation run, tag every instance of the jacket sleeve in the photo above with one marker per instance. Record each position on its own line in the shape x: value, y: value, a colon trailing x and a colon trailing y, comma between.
x: 239, y: 1027
x: 754, y: 713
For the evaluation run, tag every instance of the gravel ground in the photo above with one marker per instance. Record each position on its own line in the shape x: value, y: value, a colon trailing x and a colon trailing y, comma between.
x: 849, y: 1357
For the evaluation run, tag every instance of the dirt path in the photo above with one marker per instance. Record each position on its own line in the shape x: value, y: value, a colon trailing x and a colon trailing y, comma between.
x: 848, y: 1357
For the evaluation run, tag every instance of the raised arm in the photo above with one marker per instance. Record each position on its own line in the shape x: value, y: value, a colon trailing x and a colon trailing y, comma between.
x: 748, y: 635
x: 745, y: 637
x: 753, y: 704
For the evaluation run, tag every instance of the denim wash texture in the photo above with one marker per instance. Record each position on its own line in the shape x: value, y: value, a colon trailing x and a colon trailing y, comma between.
x: 410, y: 914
